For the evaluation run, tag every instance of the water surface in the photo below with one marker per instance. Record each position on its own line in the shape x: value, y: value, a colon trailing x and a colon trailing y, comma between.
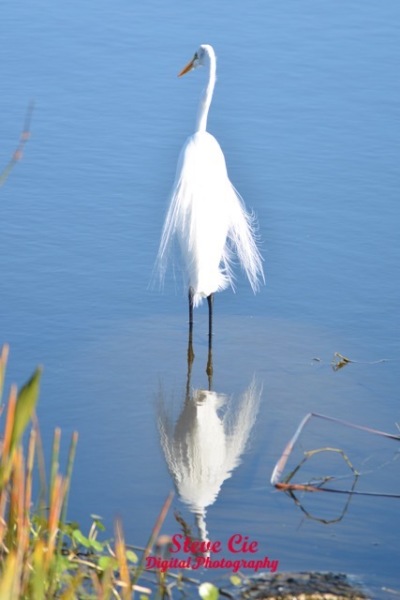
x: 306, y: 111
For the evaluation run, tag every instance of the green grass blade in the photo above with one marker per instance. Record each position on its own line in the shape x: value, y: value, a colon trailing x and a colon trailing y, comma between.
x: 26, y: 403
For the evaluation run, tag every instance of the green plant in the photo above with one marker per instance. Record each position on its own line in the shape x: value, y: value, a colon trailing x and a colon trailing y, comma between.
x: 42, y: 555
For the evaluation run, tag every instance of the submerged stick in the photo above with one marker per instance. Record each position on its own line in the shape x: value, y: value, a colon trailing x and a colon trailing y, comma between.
x: 282, y: 461
x: 339, y: 361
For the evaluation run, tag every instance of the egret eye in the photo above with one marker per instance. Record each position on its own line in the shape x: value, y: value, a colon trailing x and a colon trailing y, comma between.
x: 196, y: 56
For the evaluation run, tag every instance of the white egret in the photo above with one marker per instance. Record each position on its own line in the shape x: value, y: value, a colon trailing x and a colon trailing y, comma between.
x: 206, y: 214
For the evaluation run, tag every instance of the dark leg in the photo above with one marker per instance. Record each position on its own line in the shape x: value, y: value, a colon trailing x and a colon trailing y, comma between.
x: 209, y: 370
x: 210, y: 300
x: 191, y: 293
x: 190, y: 344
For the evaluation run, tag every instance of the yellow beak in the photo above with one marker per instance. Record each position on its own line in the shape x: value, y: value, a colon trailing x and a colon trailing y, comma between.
x: 186, y: 69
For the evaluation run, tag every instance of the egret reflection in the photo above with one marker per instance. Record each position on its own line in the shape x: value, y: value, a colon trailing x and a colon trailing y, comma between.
x: 205, y: 444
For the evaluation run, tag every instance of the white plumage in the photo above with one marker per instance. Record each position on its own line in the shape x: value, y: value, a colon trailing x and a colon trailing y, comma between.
x: 206, y: 214
x: 204, y: 446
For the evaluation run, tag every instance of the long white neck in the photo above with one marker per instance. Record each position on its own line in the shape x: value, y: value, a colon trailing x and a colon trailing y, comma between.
x: 207, y: 95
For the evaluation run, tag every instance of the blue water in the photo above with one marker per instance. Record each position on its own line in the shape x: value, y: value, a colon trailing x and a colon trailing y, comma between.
x: 306, y: 109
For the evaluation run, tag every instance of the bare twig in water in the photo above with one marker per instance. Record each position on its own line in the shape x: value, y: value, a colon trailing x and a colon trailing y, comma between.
x: 339, y: 361
x: 285, y: 485
x: 320, y: 519
x: 18, y: 152
x: 310, y: 453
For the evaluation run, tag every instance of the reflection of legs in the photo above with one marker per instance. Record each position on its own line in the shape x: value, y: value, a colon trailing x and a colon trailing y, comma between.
x: 190, y: 356
x: 209, y: 370
x: 190, y: 344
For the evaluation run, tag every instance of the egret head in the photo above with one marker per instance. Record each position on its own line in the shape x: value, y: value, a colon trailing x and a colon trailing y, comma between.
x: 201, y: 57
